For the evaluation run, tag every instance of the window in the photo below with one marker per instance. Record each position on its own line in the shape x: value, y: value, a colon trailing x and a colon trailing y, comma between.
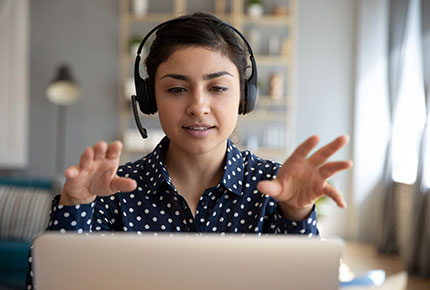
x: 410, y: 115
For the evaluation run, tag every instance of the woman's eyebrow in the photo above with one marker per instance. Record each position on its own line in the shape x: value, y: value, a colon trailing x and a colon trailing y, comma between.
x: 215, y: 75
x: 176, y: 76
x: 205, y: 77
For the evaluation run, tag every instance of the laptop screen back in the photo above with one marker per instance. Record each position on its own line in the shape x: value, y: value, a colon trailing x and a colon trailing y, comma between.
x: 124, y: 261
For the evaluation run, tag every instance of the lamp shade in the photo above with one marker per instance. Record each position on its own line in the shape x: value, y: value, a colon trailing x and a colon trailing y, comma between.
x: 63, y: 90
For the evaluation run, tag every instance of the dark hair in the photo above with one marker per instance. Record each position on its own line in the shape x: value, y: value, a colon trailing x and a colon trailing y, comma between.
x: 200, y: 29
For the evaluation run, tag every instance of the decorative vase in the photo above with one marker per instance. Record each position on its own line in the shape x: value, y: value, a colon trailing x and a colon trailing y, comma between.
x: 255, y: 10
x: 140, y: 7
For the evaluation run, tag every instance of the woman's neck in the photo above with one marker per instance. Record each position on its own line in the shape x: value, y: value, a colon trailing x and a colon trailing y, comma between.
x: 192, y: 173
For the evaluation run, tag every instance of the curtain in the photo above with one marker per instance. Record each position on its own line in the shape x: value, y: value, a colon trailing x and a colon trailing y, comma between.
x: 14, y: 36
x: 419, y: 260
x: 398, y: 11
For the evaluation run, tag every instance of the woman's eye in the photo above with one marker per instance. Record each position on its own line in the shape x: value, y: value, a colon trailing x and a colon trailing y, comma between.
x: 176, y: 90
x: 219, y: 89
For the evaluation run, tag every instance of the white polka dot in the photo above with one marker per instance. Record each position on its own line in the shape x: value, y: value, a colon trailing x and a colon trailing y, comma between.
x: 73, y: 223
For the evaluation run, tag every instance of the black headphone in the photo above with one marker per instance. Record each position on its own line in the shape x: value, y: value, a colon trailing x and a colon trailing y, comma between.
x: 145, y: 92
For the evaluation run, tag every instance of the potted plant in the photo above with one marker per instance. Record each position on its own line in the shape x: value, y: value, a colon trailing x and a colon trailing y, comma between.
x: 255, y: 8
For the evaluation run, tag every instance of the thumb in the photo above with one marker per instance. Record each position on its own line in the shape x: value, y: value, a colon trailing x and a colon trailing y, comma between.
x: 272, y: 188
x: 123, y: 184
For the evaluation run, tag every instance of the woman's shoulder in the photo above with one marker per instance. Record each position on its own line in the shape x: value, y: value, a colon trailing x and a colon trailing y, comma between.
x: 252, y: 161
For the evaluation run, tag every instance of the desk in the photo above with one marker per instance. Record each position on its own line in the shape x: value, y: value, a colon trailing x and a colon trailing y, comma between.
x: 363, y: 257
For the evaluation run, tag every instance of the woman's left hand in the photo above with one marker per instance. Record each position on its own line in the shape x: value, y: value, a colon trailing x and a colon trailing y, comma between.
x: 302, y: 180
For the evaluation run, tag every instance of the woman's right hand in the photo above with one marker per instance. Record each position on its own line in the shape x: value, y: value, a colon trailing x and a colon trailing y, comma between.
x: 95, y: 175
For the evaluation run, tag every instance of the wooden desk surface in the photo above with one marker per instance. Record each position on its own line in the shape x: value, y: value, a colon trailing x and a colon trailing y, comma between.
x: 363, y: 257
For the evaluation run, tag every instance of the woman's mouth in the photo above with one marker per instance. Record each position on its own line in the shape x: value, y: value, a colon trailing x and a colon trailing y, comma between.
x: 198, y: 131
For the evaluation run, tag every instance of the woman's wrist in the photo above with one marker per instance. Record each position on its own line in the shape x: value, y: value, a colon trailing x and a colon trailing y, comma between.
x: 66, y: 199
x: 293, y: 213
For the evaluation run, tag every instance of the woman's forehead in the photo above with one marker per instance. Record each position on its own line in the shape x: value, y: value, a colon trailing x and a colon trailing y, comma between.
x: 197, y: 59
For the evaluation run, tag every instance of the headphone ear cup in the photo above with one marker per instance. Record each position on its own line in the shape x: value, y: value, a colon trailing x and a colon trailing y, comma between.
x: 250, y: 97
x: 146, y: 98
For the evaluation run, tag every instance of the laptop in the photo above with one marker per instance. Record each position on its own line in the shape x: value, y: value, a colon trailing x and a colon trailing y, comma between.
x: 131, y: 261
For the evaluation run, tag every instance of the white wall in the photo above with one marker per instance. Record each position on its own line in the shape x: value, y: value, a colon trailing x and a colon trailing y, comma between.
x: 325, y: 87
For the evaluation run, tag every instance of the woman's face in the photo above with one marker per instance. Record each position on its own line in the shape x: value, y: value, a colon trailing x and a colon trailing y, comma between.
x: 197, y: 92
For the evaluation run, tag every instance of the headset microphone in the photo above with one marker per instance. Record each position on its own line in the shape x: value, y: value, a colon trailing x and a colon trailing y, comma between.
x: 142, y: 130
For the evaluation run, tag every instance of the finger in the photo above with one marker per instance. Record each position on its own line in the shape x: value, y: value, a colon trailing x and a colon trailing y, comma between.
x: 334, y: 194
x: 87, y: 157
x: 123, y: 184
x: 329, y: 169
x: 328, y: 150
x: 272, y: 188
x: 114, y: 150
x: 306, y: 147
x: 100, y: 150
x: 71, y: 172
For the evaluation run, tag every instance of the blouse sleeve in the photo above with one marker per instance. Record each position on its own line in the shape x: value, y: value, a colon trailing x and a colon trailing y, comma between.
x: 276, y: 223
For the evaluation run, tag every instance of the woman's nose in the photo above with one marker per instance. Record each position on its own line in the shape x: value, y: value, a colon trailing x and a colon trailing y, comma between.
x: 198, y: 103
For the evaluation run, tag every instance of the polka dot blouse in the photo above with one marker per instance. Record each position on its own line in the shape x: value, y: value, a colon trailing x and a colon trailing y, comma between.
x: 234, y: 205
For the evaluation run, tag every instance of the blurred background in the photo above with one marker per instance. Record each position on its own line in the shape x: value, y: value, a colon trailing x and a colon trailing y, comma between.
x: 333, y: 67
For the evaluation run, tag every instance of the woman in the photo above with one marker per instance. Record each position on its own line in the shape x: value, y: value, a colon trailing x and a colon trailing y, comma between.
x: 196, y: 180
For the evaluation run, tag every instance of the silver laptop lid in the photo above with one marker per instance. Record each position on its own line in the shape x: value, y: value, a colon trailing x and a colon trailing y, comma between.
x: 129, y: 261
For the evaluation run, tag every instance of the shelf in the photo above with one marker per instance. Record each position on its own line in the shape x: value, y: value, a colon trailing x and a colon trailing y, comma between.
x: 151, y: 17
x: 268, y: 112
x: 278, y: 60
x: 269, y: 20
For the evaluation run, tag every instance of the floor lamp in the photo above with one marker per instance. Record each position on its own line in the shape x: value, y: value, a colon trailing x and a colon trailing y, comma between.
x: 62, y: 91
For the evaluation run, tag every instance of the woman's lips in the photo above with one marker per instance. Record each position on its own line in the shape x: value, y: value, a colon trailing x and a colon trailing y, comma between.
x: 199, y: 131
